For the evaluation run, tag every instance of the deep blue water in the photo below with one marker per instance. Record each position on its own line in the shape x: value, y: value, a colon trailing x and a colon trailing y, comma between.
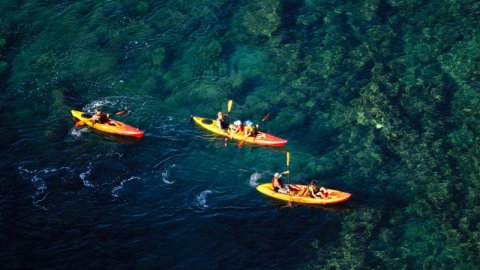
x: 177, y: 198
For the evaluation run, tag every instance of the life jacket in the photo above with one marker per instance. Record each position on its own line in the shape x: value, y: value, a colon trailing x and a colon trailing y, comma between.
x: 250, y: 128
x: 255, y: 130
x: 102, y: 118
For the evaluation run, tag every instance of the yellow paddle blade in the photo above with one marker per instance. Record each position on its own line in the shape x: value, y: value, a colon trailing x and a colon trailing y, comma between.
x: 230, y: 103
x: 288, y: 158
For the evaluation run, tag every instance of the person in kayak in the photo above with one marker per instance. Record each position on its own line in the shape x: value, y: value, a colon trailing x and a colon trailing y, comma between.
x: 100, y: 117
x: 249, y: 130
x: 280, y: 187
x: 252, y: 131
x: 318, y: 192
x: 222, y: 122
x: 235, y: 128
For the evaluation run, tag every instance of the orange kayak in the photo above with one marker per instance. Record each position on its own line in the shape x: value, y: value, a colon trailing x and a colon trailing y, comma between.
x: 262, y: 139
x: 111, y: 126
x: 336, y: 196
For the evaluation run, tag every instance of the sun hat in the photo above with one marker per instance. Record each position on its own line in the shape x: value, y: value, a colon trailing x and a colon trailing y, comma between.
x: 237, y: 123
x: 277, y: 175
x: 248, y: 123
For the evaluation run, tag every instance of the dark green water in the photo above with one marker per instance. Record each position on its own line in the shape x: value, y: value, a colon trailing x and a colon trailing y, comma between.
x: 378, y: 98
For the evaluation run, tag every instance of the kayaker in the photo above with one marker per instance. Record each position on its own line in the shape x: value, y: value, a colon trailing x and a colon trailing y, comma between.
x: 100, y: 117
x: 318, y: 192
x: 235, y: 128
x: 221, y: 121
x: 277, y: 183
x: 252, y: 131
x: 249, y: 129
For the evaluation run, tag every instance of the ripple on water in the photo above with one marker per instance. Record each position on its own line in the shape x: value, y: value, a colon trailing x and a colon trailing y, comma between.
x: 77, y: 133
x: 201, y: 199
x: 117, y: 189
x: 253, y: 181
x: 166, y: 174
x: 84, y: 175
x: 39, y: 178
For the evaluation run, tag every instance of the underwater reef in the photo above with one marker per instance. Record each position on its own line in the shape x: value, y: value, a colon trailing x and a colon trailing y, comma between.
x: 387, y: 92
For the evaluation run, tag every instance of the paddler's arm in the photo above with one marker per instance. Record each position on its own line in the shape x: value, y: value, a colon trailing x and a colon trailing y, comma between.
x: 236, y: 131
x: 312, y: 192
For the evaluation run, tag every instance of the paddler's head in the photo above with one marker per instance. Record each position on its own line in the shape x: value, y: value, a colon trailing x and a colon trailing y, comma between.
x: 97, y: 110
x: 237, y: 123
x: 314, y: 182
x: 220, y: 115
x: 277, y: 175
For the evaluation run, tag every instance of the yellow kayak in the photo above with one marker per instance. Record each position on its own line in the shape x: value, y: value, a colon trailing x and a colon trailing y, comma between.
x: 264, y: 139
x: 336, y: 196
x: 111, y: 126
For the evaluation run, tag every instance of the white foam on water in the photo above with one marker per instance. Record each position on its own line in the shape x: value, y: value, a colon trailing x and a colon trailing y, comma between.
x: 201, y: 199
x: 166, y: 174
x: 37, y: 177
x: 77, y: 133
x: 116, y: 189
x: 97, y: 103
x: 84, y: 175
x: 253, y: 181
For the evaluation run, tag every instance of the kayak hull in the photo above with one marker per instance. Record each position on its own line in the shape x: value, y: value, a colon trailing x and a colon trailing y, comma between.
x: 335, y: 197
x: 113, y: 127
x: 267, y: 140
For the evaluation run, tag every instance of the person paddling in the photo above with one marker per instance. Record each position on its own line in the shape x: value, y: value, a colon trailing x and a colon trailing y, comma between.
x: 100, y: 117
x: 279, y: 186
x: 318, y: 192
x: 249, y: 130
x: 235, y: 128
x: 222, y: 122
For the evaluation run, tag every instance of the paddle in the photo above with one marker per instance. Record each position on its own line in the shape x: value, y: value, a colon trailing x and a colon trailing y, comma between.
x: 288, y: 166
x: 229, y: 108
x: 263, y: 120
x: 81, y: 123
x: 289, y: 191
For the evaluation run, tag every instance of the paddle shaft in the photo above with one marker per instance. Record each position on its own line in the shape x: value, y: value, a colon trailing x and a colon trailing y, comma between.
x: 263, y: 120
x: 288, y: 168
x: 229, y: 108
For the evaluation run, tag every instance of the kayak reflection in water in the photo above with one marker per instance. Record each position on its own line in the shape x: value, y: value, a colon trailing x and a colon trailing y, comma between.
x: 280, y: 187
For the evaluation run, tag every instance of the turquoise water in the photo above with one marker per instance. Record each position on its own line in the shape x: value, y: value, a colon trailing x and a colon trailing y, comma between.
x: 377, y: 98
